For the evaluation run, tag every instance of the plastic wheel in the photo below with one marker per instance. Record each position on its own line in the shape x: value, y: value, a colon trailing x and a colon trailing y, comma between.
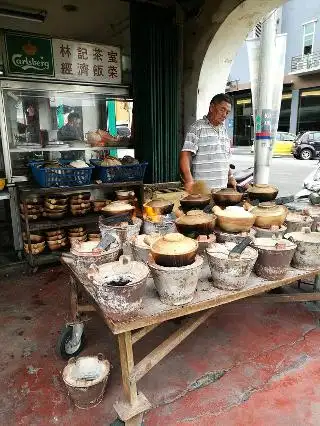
x: 306, y: 154
x: 64, y: 348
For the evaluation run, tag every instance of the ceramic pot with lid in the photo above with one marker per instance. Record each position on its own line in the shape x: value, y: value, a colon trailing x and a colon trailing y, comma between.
x: 275, y: 256
x: 174, y: 250
x: 195, y: 223
x: 159, y: 206
x: 234, y: 219
x: 307, y: 254
x: 227, y: 197
x: 141, y: 246
x: 230, y: 272
x: 262, y: 192
x: 296, y: 221
x: 269, y: 214
x: 117, y: 208
x: 194, y: 201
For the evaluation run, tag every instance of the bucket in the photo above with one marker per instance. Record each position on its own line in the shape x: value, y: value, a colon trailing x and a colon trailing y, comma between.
x: 86, y: 378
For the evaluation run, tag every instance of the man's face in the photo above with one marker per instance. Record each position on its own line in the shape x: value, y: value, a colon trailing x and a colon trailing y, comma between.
x: 219, y: 112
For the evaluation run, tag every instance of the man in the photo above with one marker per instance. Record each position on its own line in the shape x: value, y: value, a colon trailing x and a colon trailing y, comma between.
x: 71, y: 131
x: 206, y: 151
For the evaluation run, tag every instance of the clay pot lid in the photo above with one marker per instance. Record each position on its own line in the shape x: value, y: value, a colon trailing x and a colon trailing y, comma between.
x: 222, y: 250
x: 232, y: 212
x: 298, y: 217
x: 262, y: 188
x: 196, y: 197
x: 274, y: 244
x: 174, y: 244
x: 268, y: 208
x: 227, y: 191
x: 305, y: 236
x: 117, y: 206
x: 145, y: 241
x: 195, y: 217
x: 159, y: 203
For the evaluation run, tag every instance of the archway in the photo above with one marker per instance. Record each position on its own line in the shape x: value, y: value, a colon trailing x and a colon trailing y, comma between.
x: 214, y: 49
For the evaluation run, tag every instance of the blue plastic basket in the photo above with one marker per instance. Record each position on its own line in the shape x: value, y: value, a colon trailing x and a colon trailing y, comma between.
x: 64, y: 176
x: 113, y: 174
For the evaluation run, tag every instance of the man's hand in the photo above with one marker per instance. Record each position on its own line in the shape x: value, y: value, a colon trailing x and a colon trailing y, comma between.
x: 188, y: 185
x: 232, y: 182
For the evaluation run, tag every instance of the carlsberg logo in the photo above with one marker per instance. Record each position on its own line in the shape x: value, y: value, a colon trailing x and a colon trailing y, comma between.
x: 25, y: 63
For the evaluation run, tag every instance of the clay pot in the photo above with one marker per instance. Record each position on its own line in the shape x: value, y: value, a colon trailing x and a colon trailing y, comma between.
x: 34, y: 238
x: 234, y: 219
x: 262, y: 192
x: 161, y: 207
x: 119, y: 287
x: 117, y: 208
x: 55, y: 232
x: 228, y: 272
x: 49, y: 207
x: 59, y: 199
x: 274, y: 257
x: 195, y: 223
x: 58, y: 244
x: 78, y: 197
x: 227, y: 197
x: 174, y: 250
x: 176, y: 286
x: 307, y: 254
x: 194, y: 201
x: 124, y: 195
x: 54, y: 215
x: 34, y: 200
x: 56, y: 237
x: 296, y: 221
x: 36, y: 248
x: 269, y: 214
x: 227, y: 237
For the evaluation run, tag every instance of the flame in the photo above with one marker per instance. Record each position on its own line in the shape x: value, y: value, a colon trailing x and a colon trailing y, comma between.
x: 150, y: 214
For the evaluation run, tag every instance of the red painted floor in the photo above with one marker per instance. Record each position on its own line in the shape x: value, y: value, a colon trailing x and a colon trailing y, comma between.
x: 248, y: 365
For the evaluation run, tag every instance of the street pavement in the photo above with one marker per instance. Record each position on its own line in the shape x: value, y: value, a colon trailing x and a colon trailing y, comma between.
x: 287, y: 173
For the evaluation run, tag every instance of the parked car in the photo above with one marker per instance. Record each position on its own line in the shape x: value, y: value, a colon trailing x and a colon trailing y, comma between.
x: 283, y: 143
x: 307, y: 145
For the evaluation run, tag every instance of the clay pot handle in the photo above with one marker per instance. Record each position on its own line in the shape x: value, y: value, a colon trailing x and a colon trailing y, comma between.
x: 101, y: 356
x: 72, y: 360
x: 238, y: 249
x: 124, y: 265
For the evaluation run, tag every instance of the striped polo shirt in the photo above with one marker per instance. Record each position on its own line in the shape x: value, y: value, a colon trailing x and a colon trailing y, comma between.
x: 210, y: 148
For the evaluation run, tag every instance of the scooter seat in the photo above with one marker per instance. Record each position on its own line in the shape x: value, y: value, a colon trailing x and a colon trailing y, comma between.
x: 243, y: 174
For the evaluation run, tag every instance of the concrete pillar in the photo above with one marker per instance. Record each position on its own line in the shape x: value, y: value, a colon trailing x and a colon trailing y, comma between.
x: 294, y: 111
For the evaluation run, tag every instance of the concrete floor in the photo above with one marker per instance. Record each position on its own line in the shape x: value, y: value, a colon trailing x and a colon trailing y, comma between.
x: 248, y: 365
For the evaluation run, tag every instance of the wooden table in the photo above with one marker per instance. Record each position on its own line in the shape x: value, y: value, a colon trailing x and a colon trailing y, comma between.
x: 154, y: 313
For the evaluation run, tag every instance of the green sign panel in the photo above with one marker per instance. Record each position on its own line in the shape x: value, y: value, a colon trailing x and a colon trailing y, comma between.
x: 28, y: 55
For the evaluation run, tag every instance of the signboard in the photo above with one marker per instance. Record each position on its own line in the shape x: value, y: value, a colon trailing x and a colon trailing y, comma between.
x: 86, y: 62
x: 28, y: 55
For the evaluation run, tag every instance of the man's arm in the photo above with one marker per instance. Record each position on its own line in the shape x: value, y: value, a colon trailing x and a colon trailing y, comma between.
x: 185, y: 163
x: 190, y: 148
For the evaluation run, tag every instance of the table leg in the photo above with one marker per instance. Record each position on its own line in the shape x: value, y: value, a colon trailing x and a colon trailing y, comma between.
x: 317, y: 289
x: 131, y: 408
x: 127, y: 364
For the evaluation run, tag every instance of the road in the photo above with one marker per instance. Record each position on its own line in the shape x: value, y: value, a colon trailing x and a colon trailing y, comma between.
x: 287, y: 174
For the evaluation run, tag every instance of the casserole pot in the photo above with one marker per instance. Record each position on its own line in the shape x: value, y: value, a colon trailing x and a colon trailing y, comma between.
x: 269, y: 214
x: 195, y: 223
x: 262, y: 192
x: 234, y: 219
x: 227, y: 197
x: 117, y: 208
x: 174, y: 250
x: 194, y: 201
x: 161, y: 207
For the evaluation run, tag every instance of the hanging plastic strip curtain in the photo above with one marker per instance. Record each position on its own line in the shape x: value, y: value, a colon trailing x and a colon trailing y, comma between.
x: 156, y: 89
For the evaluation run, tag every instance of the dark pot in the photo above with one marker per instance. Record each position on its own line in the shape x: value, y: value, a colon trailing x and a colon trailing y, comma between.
x: 175, y: 261
x: 194, y: 202
x: 262, y: 192
x: 227, y: 197
x: 174, y: 250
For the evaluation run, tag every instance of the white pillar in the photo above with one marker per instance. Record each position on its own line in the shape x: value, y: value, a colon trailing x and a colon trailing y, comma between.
x: 264, y: 100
